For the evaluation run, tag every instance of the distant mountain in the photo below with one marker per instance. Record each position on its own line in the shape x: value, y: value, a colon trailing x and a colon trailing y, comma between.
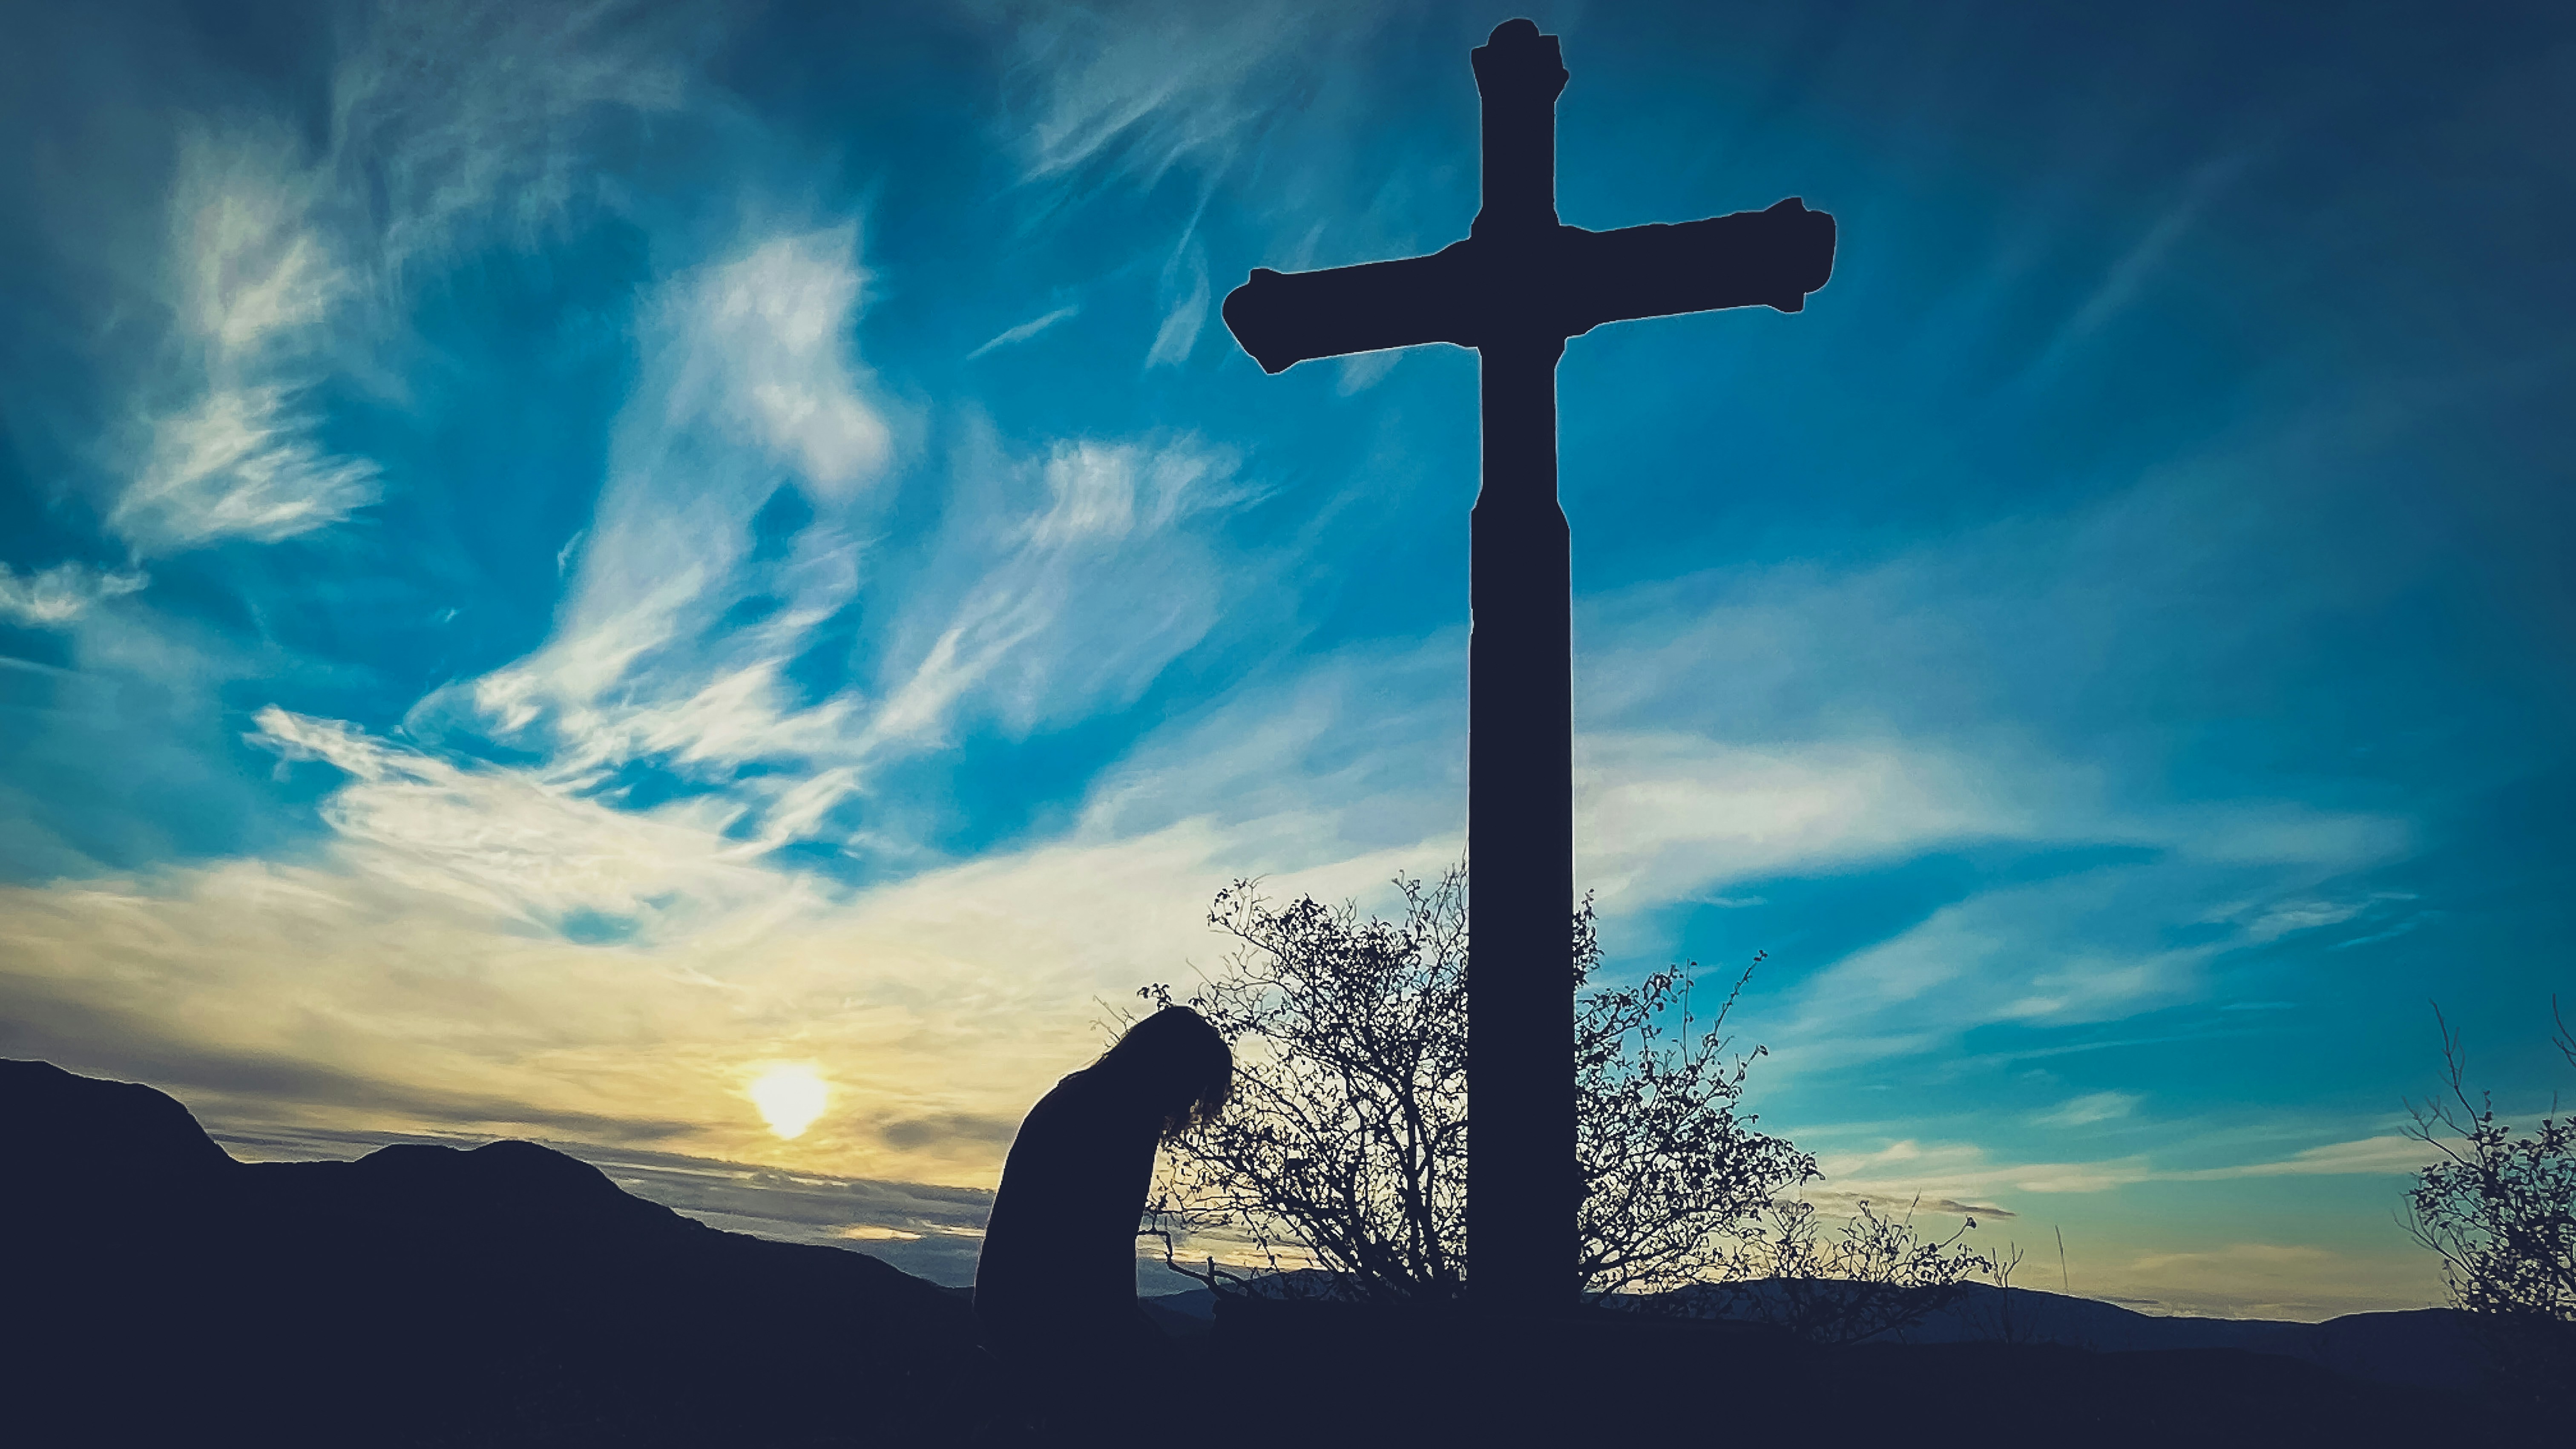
x: 158, y: 1291
x: 1432, y: 1375
x: 1994, y: 1367
x: 2425, y: 1346
x: 2429, y: 1347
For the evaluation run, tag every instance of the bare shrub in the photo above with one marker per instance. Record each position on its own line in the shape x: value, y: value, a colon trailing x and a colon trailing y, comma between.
x: 1345, y: 1147
x: 2499, y: 1207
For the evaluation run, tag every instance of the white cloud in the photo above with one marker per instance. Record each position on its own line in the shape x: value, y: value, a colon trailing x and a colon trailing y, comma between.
x: 1366, y: 370
x: 257, y: 280
x: 2285, y: 918
x: 417, y: 975
x: 1960, y: 1171
x: 1185, y: 304
x: 517, y: 844
x: 1805, y: 720
x: 1081, y: 605
x: 481, y: 112
x: 1152, y: 86
x: 286, y: 261
x: 1662, y: 817
x: 2128, y: 277
x: 1896, y: 1169
x: 1091, y: 496
x: 768, y: 337
x: 750, y: 367
x: 242, y: 463
x: 1009, y: 336
x: 2085, y: 946
x: 254, y: 266
x: 2299, y: 1282
x: 51, y: 598
x: 2391, y: 1154
x: 2088, y: 1109
x: 1060, y: 582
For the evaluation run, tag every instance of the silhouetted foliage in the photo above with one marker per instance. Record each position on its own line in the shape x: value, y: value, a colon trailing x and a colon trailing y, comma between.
x: 1873, y: 1274
x: 1347, y: 1141
x: 2499, y: 1206
x: 1347, y: 1138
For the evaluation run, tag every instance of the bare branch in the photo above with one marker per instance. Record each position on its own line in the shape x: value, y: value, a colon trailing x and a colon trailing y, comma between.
x: 1348, y: 1135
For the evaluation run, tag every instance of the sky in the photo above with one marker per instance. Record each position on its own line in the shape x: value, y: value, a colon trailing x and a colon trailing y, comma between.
x: 654, y: 576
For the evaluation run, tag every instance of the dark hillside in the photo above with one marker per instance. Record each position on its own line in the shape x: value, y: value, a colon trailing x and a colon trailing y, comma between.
x: 161, y: 1291
x: 1374, y: 1377
x: 2424, y: 1347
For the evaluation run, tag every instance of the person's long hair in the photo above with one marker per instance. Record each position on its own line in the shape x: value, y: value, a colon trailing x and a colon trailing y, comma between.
x: 1184, y: 1061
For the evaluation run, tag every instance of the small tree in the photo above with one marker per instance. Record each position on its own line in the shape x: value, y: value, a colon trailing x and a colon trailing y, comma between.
x: 2499, y: 1207
x: 1346, y: 1141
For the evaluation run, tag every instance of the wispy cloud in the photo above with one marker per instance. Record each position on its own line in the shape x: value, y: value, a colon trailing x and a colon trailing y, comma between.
x: 2300, y: 1282
x: 2088, y: 1109
x: 2088, y: 946
x: 1661, y: 817
x: 469, y: 1011
x: 1185, y: 305
x: 2390, y: 1155
x: 485, y: 112
x: 751, y: 375
x: 242, y: 463
x: 1062, y: 583
x: 51, y: 598
x: 2151, y: 252
x: 258, y: 274
x: 251, y: 257
x: 768, y: 352
x: 286, y: 261
x: 1009, y: 336
x: 1076, y: 603
x: 517, y: 844
x: 1151, y: 86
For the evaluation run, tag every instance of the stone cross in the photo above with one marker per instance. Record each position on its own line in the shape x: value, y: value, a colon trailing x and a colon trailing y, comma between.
x: 1515, y: 290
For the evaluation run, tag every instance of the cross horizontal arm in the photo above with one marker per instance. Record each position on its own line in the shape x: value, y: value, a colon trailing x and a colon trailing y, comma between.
x: 1285, y: 318
x: 1541, y: 285
x: 1770, y: 258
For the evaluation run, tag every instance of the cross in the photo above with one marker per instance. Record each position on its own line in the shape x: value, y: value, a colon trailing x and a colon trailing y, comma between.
x: 1516, y: 288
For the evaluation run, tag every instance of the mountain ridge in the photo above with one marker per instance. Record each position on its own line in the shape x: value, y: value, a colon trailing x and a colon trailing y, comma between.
x: 429, y: 1294
x: 2429, y: 1347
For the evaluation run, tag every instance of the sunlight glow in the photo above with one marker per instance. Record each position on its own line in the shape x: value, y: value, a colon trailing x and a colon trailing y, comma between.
x: 790, y: 1096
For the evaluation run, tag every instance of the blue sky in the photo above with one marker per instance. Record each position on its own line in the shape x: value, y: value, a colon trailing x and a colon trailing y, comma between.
x: 558, y: 562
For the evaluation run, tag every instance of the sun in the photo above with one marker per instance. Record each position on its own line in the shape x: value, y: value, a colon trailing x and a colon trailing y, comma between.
x: 790, y: 1095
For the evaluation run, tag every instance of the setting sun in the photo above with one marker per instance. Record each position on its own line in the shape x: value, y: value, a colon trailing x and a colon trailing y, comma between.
x: 790, y: 1096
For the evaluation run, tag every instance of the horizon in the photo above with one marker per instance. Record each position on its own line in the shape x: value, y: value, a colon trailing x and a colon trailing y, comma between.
x: 712, y: 588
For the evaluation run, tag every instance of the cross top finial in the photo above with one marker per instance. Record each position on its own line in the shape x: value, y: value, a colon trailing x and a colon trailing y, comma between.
x: 1519, y: 74
x: 1516, y: 46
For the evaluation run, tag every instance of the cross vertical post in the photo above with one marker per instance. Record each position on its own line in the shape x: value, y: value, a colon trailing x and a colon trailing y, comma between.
x: 1515, y: 289
x: 1522, y: 1192
x: 1521, y: 1183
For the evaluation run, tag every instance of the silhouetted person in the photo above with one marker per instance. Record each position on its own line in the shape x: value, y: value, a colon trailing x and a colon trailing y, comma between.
x: 1055, y: 1287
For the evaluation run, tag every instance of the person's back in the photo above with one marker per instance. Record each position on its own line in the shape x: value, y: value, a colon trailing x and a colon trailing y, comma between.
x: 1055, y: 1285
x: 1060, y: 1248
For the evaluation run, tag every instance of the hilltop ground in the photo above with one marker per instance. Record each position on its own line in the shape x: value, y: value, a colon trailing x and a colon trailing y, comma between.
x: 162, y: 1292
